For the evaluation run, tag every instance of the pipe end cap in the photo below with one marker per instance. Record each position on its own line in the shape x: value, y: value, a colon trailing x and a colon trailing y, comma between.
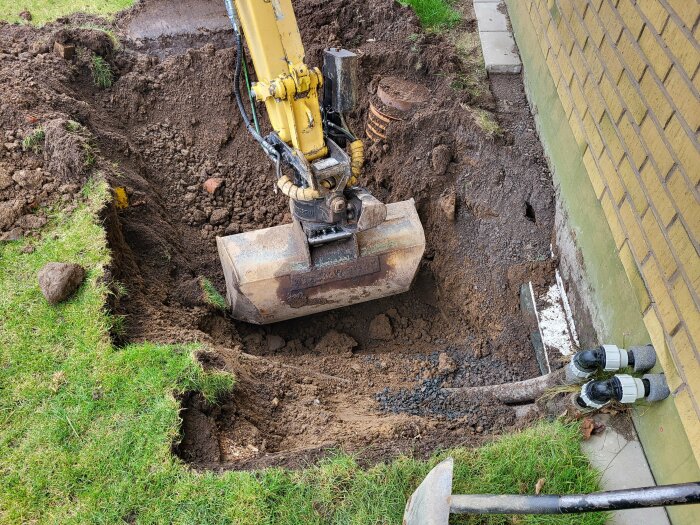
x: 644, y: 357
x: 658, y: 387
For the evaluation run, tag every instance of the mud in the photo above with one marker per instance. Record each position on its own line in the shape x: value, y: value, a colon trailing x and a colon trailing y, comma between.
x: 364, y: 378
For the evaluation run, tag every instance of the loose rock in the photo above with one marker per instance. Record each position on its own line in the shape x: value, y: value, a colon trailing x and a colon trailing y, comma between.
x: 218, y: 216
x: 212, y: 184
x: 58, y: 281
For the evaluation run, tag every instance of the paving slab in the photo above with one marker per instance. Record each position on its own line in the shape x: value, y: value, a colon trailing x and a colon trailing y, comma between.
x: 491, y: 16
x: 617, y: 453
x: 500, y: 53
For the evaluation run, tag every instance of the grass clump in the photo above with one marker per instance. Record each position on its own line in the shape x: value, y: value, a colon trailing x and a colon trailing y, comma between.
x: 34, y: 141
x: 102, y: 74
x: 486, y: 121
x: 73, y: 126
x: 211, y: 294
x: 434, y: 14
x: 473, y: 78
x: 89, y: 157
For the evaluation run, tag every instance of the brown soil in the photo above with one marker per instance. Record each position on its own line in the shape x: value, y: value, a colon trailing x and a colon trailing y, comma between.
x: 365, y: 378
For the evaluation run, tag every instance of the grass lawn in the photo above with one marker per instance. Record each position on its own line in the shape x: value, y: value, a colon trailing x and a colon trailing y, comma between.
x: 47, y: 10
x: 434, y: 14
x: 86, y: 429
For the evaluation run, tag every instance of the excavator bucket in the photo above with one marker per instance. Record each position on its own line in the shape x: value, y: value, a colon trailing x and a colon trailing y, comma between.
x: 273, y: 274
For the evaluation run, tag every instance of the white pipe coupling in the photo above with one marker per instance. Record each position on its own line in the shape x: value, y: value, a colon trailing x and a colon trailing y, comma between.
x: 615, y: 358
x: 632, y: 388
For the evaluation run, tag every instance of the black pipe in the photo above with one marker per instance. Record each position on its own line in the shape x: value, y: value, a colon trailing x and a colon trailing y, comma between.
x: 590, y: 360
x: 665, y: 495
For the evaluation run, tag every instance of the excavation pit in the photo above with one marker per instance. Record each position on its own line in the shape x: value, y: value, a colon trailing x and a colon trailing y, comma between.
x: 365, y: 378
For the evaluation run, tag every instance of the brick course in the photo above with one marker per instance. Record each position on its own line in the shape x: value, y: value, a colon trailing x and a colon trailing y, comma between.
x: 628, y: 76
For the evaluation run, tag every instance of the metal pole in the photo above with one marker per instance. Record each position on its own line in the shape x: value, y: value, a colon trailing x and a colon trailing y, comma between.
x: 680, y: 494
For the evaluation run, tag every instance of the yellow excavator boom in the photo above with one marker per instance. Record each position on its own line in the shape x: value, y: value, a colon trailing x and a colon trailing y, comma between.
x: 287, y: 86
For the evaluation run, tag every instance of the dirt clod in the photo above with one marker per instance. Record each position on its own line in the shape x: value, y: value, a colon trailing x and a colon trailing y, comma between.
x: 380, y: 328
x: 58, y: 281
x: 448, y: 205
x: 275, y: 342
x: 219, y: 216
x: 446, y: 365
x: 335, y: 343
x: 440, y: 159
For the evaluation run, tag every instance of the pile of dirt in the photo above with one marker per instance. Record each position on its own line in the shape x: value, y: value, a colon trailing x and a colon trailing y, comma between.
x: 365, y: 378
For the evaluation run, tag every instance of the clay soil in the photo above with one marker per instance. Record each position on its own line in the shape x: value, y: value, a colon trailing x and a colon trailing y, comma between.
x: 367, y: 378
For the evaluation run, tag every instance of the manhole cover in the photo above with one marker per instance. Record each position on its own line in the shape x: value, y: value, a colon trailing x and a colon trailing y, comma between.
x: 401, y: 94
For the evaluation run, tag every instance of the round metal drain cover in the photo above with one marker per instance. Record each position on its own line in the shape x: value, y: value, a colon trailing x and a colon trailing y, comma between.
x: 401, y: 94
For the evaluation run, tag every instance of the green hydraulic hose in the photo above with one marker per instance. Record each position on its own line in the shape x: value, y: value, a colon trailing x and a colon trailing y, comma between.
x: 250, y: 95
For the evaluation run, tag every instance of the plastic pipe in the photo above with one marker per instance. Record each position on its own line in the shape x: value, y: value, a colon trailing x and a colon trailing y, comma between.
x: 623, y: 388
x: 610, y: 358
x: 680, y: 494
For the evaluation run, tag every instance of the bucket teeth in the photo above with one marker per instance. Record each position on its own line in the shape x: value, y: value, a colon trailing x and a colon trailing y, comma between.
x: 273, y: 274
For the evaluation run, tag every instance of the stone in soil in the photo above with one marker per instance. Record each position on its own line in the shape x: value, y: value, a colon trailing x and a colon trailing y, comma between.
x: 212, y: 184
x: 58, y: 281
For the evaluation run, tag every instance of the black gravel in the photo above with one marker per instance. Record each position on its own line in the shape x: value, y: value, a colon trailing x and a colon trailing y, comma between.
x: 428, y: 399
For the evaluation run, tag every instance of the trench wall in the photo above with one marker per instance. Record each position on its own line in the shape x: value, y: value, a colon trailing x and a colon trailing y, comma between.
x: 614, y: 87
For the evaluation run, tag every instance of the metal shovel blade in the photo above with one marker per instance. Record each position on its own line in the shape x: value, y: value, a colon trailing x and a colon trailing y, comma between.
x: 273, y: 274
x: 430, y: 503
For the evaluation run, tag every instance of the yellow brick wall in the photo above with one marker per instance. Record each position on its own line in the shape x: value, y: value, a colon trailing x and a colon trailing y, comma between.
x: 627, y: 75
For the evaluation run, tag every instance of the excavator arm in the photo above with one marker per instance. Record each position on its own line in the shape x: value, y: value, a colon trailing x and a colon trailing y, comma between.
x: 344, y: 246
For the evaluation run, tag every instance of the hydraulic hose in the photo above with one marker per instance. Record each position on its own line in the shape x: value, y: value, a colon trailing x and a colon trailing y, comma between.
x: 679, y: 494
x: 294, y: 192
x: 357, y: 160
x: 269, y: 149
x: 357, y: 150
